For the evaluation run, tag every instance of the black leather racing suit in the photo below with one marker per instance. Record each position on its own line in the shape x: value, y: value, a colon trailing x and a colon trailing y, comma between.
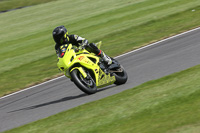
x: 79, y: 41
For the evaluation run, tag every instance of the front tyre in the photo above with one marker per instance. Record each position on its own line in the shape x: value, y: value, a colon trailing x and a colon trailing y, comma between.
x: 87, y: 84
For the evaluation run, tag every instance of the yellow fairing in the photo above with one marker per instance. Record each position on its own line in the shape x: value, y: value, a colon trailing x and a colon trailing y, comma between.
x: 65, y: 62
x: 104, y: 79
x: 84, y: 61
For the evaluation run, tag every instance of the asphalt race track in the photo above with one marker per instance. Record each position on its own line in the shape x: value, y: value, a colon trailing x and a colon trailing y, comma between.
x: 152, y: 62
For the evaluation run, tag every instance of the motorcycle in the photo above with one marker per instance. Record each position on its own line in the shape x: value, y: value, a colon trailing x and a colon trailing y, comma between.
x: 89, y: 71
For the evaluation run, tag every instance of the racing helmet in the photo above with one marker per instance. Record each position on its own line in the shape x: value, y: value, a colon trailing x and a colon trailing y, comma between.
x: 60, y: 34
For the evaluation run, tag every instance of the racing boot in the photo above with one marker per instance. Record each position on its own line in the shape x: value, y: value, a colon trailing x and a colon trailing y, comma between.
x: 92, y: 47
x: 106, y: 58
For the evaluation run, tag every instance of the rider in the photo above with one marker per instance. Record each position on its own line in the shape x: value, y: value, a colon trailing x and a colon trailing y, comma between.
x: 61, y: 37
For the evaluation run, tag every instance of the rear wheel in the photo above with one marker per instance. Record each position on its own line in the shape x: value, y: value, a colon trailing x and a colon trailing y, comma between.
x: 87, y: 84
x: 121, y: 76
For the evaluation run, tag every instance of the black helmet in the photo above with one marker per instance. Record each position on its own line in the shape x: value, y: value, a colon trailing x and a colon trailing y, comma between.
x: 59, y: 34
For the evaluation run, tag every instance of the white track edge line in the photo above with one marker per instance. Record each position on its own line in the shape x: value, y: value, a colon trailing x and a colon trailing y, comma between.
x: 114, y: 57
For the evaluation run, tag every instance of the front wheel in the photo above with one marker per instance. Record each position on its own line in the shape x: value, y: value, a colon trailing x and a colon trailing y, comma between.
x: 87, y: 84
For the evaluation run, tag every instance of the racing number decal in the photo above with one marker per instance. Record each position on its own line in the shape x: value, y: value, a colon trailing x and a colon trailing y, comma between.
x: 81, y: 57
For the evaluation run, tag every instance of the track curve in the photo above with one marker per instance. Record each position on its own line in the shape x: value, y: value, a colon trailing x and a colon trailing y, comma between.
x: 157, y: 60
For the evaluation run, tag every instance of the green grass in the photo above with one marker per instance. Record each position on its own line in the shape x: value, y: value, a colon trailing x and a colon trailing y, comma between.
x: 27, y: 53
x: 167, y: 105
x: 6, y: 5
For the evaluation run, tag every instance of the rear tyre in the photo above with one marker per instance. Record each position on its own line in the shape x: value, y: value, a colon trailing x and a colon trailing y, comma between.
x: 87, y: 85
x: 121, y: 77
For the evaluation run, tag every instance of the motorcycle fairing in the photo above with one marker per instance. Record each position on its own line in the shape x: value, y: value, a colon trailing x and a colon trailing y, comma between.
x: 70, y: 61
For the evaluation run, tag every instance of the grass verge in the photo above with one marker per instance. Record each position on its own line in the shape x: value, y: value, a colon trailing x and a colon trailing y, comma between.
x: 28, y: 57
x: 170, y: 104
x: 6, y: 5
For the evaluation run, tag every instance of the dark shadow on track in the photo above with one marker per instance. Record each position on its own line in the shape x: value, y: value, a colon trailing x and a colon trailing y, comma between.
x: 60, y: 100
x: 52, y: 102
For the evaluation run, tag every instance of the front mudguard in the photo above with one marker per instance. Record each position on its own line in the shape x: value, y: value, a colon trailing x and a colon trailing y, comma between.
x: 80, y: 70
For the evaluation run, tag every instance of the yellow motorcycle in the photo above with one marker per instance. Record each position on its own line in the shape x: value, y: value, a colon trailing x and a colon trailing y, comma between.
x: 88, y: 71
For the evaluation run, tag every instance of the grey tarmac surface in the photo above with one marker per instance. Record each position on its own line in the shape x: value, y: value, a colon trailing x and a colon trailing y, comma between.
x: 156, y: 61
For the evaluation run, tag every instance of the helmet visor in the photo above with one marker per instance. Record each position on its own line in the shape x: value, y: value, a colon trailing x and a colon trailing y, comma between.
x: 62, y: 40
